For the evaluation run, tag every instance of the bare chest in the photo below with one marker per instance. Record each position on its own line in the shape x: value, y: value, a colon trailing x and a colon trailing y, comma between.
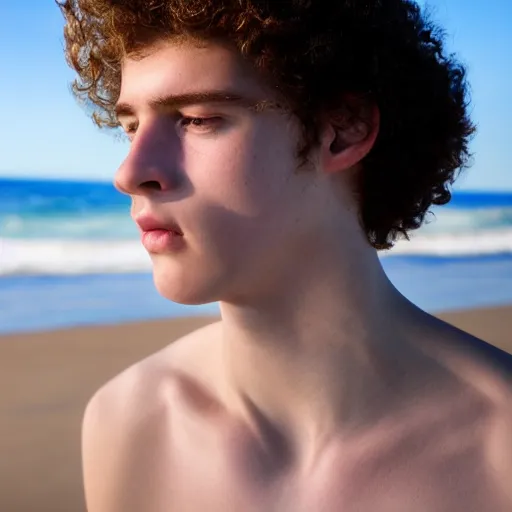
x: 218, y: 469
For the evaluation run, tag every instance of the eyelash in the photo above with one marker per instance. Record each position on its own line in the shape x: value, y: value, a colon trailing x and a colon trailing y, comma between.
x: 184, y: 121
x: 203, y: 120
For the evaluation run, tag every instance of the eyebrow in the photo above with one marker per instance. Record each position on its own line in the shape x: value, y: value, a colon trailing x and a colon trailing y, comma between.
x: 175, y: 102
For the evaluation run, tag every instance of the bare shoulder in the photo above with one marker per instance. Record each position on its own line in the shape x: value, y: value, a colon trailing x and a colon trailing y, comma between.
x: 480, y: 363
x: 489, y: 370
x: 131, y: 385
x: 486, y: 372
x: 127, y: 424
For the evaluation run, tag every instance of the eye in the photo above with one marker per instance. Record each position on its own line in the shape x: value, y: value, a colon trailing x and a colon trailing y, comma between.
x: 200, y: 124
x: 131, y: 128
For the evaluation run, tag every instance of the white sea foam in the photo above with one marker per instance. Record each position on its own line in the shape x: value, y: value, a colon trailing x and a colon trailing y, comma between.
x: 41, y: 256
x: 478, y: 243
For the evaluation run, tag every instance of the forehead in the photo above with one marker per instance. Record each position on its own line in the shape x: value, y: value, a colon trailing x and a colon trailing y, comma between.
x: 181, y: 67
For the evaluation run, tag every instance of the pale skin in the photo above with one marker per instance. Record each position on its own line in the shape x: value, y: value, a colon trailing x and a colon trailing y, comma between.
x: 321, y: 388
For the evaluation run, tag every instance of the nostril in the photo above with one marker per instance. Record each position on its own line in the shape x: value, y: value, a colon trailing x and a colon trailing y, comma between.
x: 151, y: 185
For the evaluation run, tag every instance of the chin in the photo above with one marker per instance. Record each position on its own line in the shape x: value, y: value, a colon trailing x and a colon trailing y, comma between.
x: 187, y: 290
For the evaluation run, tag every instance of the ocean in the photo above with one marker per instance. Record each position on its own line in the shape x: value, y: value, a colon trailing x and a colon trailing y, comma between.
x: 70, y: 255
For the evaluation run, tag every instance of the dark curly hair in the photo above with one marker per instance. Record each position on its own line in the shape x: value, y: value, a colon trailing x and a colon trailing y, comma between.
x: 314, y: 52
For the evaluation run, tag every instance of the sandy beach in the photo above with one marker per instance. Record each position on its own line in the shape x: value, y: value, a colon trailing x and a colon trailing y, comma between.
x: 46, y: 379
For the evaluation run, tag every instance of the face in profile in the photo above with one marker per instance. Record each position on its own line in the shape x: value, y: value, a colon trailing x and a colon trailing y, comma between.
x: 223, y: 172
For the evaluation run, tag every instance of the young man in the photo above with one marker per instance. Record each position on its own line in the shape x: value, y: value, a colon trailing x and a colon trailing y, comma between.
x: 275, y: 147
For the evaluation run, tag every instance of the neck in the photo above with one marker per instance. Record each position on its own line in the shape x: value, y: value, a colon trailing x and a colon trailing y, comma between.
x: 319, y: 354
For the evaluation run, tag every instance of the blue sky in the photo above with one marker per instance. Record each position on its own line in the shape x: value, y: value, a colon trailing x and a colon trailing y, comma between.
x: 45, y: 133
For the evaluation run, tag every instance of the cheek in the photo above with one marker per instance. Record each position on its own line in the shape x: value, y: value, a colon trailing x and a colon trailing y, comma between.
x: 245, y: 195
x: 247, y: 174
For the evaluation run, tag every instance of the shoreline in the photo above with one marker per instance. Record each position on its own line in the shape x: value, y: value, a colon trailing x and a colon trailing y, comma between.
x: 47, y: 378
x: 483, y: 322
x: 432, y: 283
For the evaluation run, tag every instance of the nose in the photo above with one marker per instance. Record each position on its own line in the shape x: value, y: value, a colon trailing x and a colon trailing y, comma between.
x: 153, y: 163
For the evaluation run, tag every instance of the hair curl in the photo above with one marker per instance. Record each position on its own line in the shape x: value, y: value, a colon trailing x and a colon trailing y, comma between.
x: 314, y: 51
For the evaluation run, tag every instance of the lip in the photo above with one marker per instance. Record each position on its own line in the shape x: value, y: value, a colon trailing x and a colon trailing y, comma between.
x: 150, y: 223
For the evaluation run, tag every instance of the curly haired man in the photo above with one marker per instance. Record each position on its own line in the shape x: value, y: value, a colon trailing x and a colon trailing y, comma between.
x: 275, y: 148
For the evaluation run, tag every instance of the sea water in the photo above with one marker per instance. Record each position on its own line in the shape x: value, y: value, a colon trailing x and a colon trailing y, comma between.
x: 71, y: 255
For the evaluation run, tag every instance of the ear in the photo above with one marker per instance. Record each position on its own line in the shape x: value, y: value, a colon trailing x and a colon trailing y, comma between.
x: 347, y: 139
